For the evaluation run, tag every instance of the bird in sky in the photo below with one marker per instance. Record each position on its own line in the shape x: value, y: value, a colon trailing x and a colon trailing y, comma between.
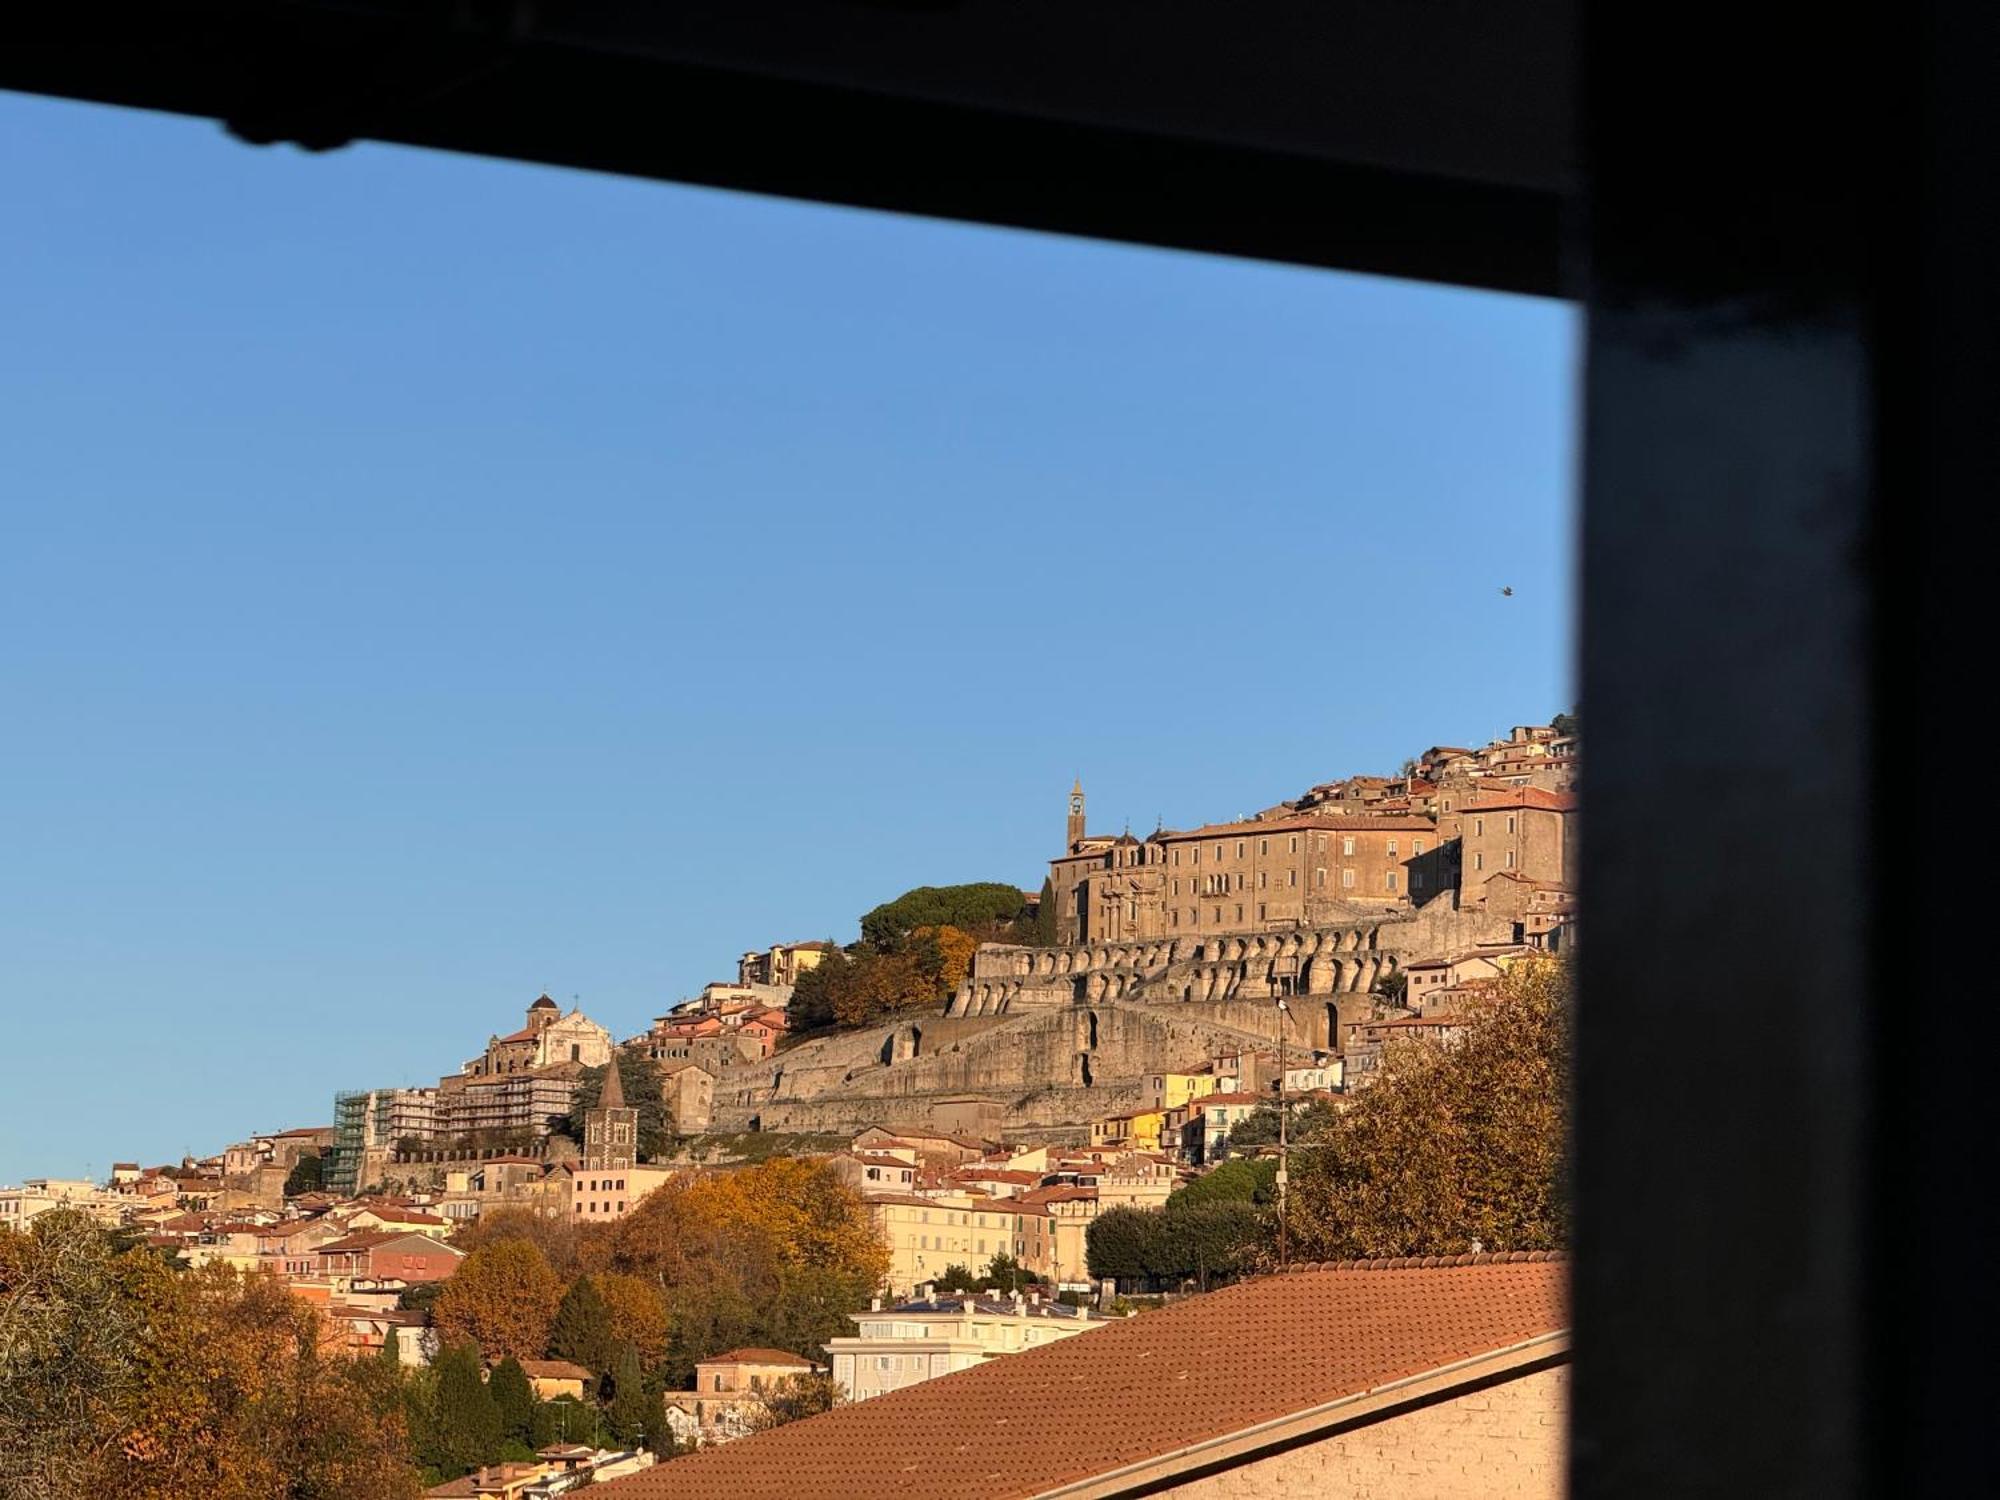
x: 1507, y: 590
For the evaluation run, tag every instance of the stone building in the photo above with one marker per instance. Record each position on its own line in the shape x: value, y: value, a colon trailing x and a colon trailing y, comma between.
x: 523, y: 1081
x: 1252, y: 876
x: 550, y: 1037
x: 688, y: 1092
x: 1525, y: 830
x: 611, y: 1128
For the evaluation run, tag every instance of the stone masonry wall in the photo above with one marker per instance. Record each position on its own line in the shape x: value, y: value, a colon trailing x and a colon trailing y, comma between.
x: 1047, y: 1066
x: 1504, y: 1443
x: 1344, y: 958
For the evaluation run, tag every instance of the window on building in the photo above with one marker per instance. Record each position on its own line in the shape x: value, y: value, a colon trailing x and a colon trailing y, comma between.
x: 1510, y: 822
x: 1295, y: 844
x: 1416, y: 846
x: 1479, y: 827
x: 1319, y: 878
x: 1390, y: 880
x: 1347, y: 879
x: 1347, y: 847
x: 1263, y: 879
x: 1260, y: 912
x: 1263, y: 846
x: 1479, y: 861
x: 1510, y: 859
x: 1392, y: 849
x: 1291, y: 877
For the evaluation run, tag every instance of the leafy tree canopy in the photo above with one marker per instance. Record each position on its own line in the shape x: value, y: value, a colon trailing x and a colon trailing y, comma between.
x: 465, y: 1422
x: 798, y: 1397
x: 1003, y: 1274
x: 581, y: 1330
x: 628, y: 1414
x: 554, y: 1235
x: 126, y: 1379
x: 1456, y: 1143
x: 984, y: 909
x: 307, y: 1176
x: 1242, y: 1179
x: 503, y: 1297
x: 1045, y: 917
x: 777, y: 1254
x: 864, y: 988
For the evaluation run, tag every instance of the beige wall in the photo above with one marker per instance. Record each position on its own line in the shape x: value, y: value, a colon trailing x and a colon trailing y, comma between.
x: 1503, y: 1443
x: 1536, y: 842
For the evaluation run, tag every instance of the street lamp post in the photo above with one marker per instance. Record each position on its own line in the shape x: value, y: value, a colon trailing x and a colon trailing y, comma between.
x: 1284, y: 1024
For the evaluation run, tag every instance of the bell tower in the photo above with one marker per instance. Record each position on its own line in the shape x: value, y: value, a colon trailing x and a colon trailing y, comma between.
x: 611, y: 1131
x: 1076, y: 825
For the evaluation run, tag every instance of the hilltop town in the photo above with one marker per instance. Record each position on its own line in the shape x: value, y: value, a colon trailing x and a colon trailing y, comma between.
x: 987, y: 1085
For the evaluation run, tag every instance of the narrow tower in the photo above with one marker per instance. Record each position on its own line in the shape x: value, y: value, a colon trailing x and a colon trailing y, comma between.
x: 611, y: 1130
x: 1076, y: 830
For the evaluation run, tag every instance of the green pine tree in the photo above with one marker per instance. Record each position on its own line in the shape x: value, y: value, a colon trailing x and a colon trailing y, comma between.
x: 629, y: 1411
x: 582, y: 1329
x: 514, y: 1398
x: 392, y: 1349
x: 466, y: 1424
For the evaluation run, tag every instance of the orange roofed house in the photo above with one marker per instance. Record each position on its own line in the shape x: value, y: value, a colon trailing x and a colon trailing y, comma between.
x: 1398, y: 1380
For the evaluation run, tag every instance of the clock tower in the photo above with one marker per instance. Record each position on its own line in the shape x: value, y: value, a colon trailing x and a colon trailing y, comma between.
x: 1076, y: 825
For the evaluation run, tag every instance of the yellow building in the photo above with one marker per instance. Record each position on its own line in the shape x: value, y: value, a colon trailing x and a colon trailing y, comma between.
x: 1172, y: 1090
x: 1139, y: 1131
x: 927, y: 1235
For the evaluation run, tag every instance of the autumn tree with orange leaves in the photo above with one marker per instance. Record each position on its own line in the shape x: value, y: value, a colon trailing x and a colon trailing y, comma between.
x: 503, y: 1297
x: 1457, y: 1143
x: 777, y: 1254
x: 126, y: 1379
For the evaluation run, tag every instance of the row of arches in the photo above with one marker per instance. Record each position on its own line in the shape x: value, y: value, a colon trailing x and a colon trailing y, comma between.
x: 1028, y: 963
x: 1245, y: 974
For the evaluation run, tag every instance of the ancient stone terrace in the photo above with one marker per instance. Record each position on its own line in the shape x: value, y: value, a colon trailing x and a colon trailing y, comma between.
x: 1342, y: 959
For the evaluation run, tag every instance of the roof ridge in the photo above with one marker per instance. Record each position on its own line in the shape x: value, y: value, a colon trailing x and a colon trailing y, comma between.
x: 1432, y: 1262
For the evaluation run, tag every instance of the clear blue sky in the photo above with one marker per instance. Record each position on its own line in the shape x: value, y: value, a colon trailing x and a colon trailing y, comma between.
x: 427, y: 581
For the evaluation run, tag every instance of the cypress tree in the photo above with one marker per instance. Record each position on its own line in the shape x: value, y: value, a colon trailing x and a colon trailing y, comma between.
x: 582, y: 1329
x: 628, y: 1414
x: 514, y: 1398
x: 467, y: 1423
x: 392, y: 1349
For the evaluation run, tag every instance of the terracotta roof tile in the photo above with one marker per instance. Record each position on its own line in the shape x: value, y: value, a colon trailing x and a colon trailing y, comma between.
x: 553, y: 1369
x: 756, y: 1356
x: 1144, y: 1387
x: 1527, y: 797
